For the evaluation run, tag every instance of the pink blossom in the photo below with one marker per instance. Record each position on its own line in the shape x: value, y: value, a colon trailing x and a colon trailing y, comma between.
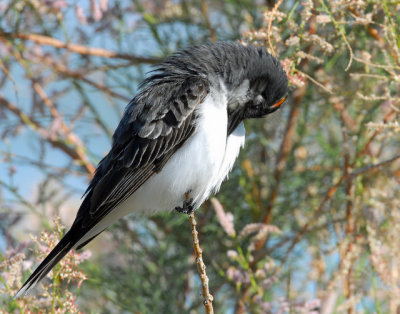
x: 80, y: 15
x: 96, y: 12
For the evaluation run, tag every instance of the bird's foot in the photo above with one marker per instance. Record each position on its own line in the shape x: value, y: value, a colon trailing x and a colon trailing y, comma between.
x: 187, y: 206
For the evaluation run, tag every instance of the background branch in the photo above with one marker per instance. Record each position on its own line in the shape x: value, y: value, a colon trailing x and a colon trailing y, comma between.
x: 83, y: 50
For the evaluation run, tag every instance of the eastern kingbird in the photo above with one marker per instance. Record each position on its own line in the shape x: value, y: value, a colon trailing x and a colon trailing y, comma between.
x: 177, y: 140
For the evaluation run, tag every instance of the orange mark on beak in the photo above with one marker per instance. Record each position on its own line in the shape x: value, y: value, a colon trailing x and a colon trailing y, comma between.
x: 280, y: 102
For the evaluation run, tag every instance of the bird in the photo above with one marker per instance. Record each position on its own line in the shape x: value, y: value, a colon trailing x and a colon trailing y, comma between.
x: 177, y: 140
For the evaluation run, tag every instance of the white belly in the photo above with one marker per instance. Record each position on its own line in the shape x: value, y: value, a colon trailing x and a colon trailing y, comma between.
x: 198, y: 167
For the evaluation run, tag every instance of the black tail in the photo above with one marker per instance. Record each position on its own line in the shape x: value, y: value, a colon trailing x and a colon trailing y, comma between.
x: 61, y: 249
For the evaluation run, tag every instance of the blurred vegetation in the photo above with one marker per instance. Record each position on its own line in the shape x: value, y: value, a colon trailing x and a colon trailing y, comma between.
x: 309, y: 219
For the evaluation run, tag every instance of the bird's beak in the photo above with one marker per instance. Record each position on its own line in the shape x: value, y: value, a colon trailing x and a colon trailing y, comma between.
x: 280, y: 102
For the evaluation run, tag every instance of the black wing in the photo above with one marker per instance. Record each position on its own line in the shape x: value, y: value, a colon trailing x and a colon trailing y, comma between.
x: 155, y: 125
x: 234, y: 119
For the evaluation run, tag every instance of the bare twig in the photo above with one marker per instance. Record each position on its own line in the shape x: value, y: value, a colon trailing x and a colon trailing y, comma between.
x: 273, y: 12
x: 207, y: 20
x: 341, y: 31
x: 50, y: 137
x: 64, y: 129
x: 62, y: 69
x: 19, y: 197
x: 331, y: 192
x: 367, y: 145
x: 24, y: 160
x: 207, y: 297
x: 286, y: 147
x: 348, y: 290
x: 374, y: 166
x: 376, y: 65
x: 313, y: 80
x: 83, y: 50
x: 305, y: 228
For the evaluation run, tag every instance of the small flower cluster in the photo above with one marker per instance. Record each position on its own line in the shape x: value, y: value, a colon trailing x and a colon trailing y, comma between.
x: 255, y: 279
x: 52, y: 294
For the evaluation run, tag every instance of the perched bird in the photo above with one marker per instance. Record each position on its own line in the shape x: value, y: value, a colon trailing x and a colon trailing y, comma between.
x: 177, y: 140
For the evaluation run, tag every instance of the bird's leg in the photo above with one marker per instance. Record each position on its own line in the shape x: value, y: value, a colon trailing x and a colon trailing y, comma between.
x: 187, y: 206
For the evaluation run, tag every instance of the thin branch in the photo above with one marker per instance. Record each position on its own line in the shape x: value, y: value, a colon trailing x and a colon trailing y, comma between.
x: 375, y: 134
x: 341, y: 31
x: 373, y: 166
x: 40, y: 164
x: 9, y: 76
x: 287, y: 141
x: 19, y: 197
x: 286, y: 147
x: 62, y: 69
x: 348, y: 284
x: 376, y: 65
x: 207, y: 20
x: 207, y: 297
x: 273, y: 12
x: 315, y: 81
x: 83, y: 50
x: 52, y: 138
x: 331, y: 192
x: 64, y: 129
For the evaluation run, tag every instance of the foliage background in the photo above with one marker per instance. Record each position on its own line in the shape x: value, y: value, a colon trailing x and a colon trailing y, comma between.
x: 309, y: 219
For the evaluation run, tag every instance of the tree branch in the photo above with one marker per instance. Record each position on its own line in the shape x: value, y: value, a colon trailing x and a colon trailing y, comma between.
x: 83, y: 50
x: 63, y: 70
x: 207, y: 20
x: 331, y: 192
x: 207, y: 297
x: 286, y: 147
x: 50, y: 137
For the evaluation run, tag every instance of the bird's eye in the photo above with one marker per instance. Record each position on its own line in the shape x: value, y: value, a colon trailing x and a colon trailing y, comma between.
x: 258, y: 100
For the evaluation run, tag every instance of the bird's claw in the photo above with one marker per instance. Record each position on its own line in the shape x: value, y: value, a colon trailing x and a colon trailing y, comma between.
x: 187, y: 207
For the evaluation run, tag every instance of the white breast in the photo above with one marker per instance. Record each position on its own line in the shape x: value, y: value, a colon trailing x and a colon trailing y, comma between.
x: 198, y: 167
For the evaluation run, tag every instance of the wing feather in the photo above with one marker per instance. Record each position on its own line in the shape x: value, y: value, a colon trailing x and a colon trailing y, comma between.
x: 155, y: 125
x: 145, y: 153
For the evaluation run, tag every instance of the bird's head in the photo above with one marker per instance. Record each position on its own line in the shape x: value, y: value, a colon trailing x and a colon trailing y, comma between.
x: 262, y: 84
x: 265, y: 95
x: 254, y: 80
